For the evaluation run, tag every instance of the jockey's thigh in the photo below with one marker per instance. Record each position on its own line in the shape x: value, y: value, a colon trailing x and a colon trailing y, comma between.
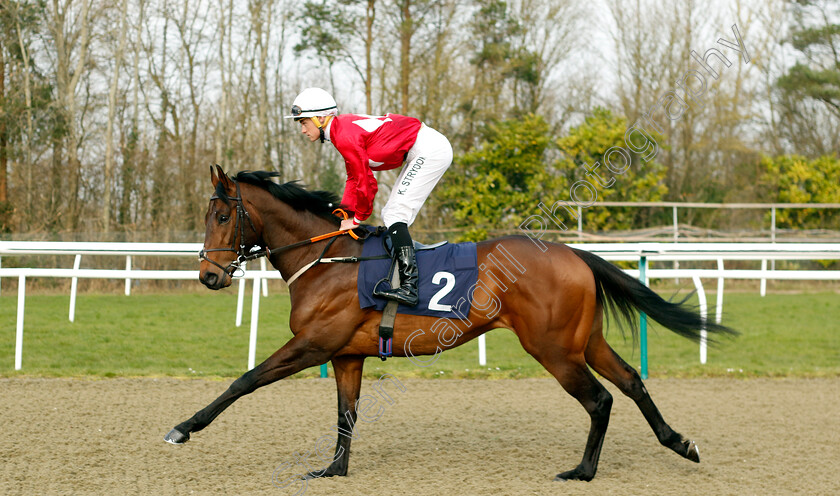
x: 425, y: 164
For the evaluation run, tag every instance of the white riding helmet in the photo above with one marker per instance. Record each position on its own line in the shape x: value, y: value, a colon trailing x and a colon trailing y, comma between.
x: 313, y: 102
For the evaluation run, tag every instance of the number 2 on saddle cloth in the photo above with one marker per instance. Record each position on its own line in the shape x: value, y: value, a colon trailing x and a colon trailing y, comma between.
x: 447, y: 273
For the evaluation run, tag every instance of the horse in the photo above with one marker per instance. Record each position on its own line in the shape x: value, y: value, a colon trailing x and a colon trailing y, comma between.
x: 556, y: 307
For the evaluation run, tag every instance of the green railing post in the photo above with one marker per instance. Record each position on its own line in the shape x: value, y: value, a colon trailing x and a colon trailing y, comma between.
x: 323, y: 371
x: 643, y: 321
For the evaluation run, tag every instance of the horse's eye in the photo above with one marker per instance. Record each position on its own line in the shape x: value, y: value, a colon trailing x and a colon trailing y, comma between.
x: 223, y: 219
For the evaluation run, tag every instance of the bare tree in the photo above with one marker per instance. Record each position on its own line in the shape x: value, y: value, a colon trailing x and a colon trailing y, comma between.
x: 4, y: 136
x: 550, y: 36
x: 650, y: 63
x: 112, y: 107
x: 262, y: 13
x: 70, y: 34
x: 222, y: 139
x: 191, y: 26
x: 278, y: 129
x: 27, y: 89
x: 158, y: 109
x: 439, y: 51
x: 131, y: 140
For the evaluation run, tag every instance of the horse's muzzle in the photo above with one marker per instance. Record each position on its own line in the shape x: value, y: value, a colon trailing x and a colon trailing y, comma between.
x: 213, y: 280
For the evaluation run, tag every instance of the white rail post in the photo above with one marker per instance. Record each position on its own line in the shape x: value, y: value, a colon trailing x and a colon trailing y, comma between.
x: 643, y: 341
x: 482, y: 350
x: 701, y: 295
x: 719, y: 315
x: 127, y: 280
x: 773, y: 233
x: 19, y: 328
x: 264, y: 281
x: 676, y: 238
x: 255, y: 317
x: 763, y: 279
x: 240, y: 299
x: 676, y: 225
x: 73, y: 284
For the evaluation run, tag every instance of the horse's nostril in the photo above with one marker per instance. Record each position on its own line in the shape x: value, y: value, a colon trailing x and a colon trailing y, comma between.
x: 210, y: 279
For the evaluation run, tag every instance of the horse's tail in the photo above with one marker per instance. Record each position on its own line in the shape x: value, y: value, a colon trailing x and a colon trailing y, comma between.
x: 623, y: 295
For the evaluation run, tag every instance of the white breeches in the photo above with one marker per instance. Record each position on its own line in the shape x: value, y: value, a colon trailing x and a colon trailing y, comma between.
x: 425, y: 164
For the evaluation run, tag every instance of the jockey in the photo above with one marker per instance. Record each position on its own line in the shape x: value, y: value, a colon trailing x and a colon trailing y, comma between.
x: 369, y: 143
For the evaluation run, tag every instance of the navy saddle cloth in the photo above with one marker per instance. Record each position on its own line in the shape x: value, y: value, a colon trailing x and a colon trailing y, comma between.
x: 446, y: 275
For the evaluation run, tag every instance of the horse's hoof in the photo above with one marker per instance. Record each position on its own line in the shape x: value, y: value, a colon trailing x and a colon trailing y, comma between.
x: 693, y: 453
x: 315, y: 475
x: 575, y: 474
x: 324, y: 473
x: 176, y: 437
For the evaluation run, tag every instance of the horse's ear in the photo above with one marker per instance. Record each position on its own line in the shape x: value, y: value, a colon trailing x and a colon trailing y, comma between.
x: 213, y: 178
x: 223, y: 178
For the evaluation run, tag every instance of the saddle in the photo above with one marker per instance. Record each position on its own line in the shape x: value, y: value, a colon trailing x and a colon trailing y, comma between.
x: 389, y: 314
x: 393, y: 277
x: 386, y: 240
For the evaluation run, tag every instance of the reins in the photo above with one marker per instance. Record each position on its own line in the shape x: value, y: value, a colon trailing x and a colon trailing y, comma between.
x: 242, y: 256
x: 267, y: 252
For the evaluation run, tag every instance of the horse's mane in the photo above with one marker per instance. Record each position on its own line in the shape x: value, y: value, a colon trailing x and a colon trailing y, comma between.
x: 320, y: 203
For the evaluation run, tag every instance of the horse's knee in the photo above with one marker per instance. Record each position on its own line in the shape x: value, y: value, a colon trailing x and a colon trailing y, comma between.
x: 243, y: 385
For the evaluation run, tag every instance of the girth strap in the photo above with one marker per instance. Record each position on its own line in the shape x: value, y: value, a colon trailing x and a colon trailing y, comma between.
x: 389, y: 315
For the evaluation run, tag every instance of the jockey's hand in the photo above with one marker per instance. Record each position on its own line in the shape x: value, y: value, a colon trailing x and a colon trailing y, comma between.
x: 348, y: 224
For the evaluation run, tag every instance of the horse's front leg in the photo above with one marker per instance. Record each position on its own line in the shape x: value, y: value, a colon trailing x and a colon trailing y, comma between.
x: 348, y: 379
x: 297, y: 354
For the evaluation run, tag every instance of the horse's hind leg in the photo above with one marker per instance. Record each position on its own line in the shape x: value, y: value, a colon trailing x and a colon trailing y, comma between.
x: 572, y: 373
x: 601, y: 357
x: 348, y: 378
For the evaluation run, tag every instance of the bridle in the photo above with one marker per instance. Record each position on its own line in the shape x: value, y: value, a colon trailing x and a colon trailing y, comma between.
x: 239, y: 229
x: 243, y: 255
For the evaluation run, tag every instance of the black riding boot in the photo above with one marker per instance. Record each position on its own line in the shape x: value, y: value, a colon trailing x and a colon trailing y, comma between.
x: 406, y: 294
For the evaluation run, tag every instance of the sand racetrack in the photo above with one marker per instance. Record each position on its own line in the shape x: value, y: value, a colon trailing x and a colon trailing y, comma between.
x: 450, y: 437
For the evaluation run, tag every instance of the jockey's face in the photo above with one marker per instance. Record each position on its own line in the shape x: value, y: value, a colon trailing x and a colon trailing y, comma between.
x: 309, y: 128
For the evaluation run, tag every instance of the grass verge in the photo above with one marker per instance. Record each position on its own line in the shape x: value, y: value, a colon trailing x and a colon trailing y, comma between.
x: 193, y: 335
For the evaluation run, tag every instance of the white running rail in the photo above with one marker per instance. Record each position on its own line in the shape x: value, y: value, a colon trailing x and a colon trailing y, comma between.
x: 652, y: 252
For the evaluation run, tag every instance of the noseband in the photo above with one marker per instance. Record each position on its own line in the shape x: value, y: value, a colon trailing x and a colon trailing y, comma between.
x: 242, y: 255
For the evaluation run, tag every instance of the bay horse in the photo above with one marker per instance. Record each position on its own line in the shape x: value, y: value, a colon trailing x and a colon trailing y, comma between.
x: 556, y: 308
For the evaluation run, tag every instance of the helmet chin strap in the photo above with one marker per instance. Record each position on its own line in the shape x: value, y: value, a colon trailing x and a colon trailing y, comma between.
x: 321, y: 127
